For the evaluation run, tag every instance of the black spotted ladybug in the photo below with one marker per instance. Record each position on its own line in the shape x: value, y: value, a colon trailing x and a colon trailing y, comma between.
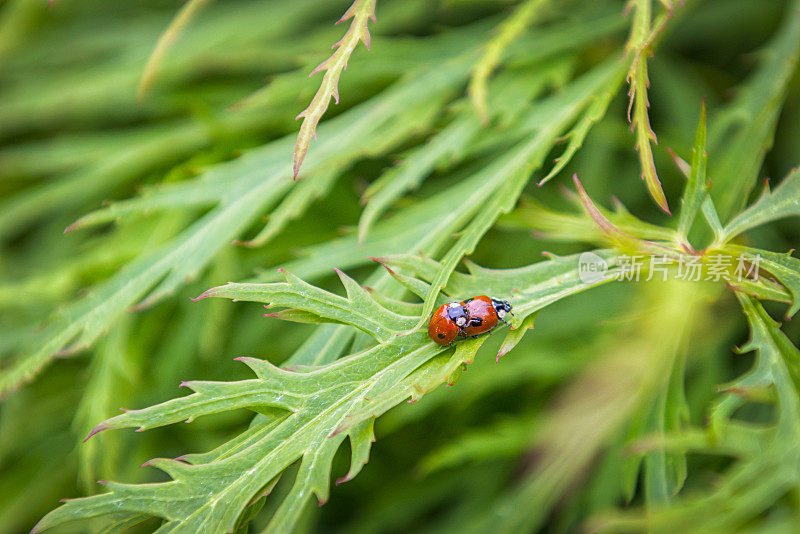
x: 484, y: 314
x: 447, y: 323
x: 474, y: 316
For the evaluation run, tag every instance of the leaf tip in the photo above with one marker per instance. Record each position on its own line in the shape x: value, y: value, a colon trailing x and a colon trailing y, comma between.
x: 346, y: 478
x: 99, y: 428
x: 318, y: 68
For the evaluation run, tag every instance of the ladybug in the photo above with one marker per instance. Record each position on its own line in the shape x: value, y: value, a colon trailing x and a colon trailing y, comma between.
x: 484, y: 314
x: 474, y: 316
x: 448, y: 322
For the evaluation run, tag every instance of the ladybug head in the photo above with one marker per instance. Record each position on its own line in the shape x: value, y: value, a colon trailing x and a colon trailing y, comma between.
x: 502, y: 307
x: 457, y: 313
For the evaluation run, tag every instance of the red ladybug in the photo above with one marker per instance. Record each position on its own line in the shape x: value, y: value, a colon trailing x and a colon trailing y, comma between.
x: 448, y: 322
x: 484, y: 314
x: 474, y: 316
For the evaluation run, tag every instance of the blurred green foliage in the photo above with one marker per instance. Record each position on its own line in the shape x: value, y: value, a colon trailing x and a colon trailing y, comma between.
x: 624, y: 410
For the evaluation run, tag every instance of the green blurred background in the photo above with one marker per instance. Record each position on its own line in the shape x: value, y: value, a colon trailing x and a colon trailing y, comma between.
x: 73, y: 134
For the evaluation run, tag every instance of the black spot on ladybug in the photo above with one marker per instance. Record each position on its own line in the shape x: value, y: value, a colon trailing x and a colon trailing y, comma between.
x: 441, y: 336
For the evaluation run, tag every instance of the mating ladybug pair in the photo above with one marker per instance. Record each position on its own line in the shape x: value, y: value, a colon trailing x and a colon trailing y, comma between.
x: 469, y: 318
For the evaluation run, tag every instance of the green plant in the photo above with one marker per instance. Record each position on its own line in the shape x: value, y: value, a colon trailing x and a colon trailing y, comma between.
x: 611, y: 401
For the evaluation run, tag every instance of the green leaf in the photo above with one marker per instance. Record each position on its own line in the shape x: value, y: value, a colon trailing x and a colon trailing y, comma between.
x: 246, y: 194
x: 614, y: 235
x: 744, y: 132
x: 362, y: 436
x: 503, y: 181
x: 100, y: 400
x: 359, y: 309
x: 324, y: 345
x: 639, y: 46
x: 698, y: 184
x: 625, y: 376
x: 427, y: 226
x: 212, y: 494
x: 528, y: 289
x: 167, y: 39
x: 306, y: 414
x: 666, y: 471
x: 768, y: 469
x: 707, y: 207
x: 164, y: 147
x: 784, y: 267
x: 508, y: 31
x: 594, y: 112
x: 333, y: 67
x: 773, y: 205
x: 515, y: 335
x: 410, y: 173
x: 763, y: 289
x: 580, y: 227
